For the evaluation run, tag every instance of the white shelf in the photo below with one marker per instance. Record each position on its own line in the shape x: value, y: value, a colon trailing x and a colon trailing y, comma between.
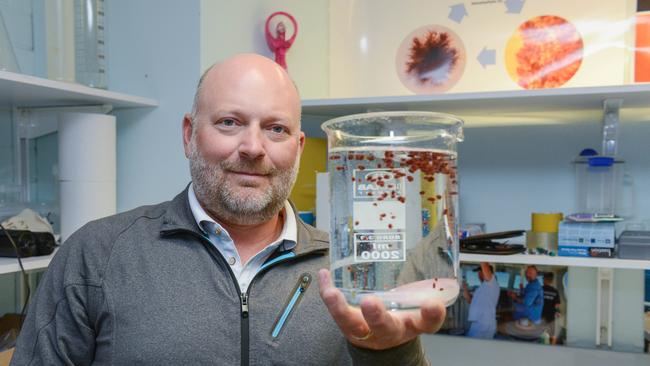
x: 18, y: 90
x: 539, y: 104
x: 10, y: 265
x: 547, y: 260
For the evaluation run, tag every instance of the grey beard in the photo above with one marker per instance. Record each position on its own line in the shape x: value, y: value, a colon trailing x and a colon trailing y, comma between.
x: 220, y: 198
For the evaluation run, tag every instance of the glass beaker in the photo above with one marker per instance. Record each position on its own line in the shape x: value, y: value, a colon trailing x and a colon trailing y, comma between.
x: 394, y: 206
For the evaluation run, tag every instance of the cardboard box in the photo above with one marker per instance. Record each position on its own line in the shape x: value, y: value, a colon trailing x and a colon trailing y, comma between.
x: 586, y: 239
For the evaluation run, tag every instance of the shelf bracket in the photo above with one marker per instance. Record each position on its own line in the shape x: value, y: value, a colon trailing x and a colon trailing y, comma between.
x: 604, y: 305
x: 611, y: 119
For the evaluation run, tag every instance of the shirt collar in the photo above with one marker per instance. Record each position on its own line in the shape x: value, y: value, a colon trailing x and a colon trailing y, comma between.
x: 289, y: 232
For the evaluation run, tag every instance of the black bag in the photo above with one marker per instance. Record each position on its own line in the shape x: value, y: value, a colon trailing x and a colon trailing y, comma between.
x: 29, y: 243
x: 483, y: 244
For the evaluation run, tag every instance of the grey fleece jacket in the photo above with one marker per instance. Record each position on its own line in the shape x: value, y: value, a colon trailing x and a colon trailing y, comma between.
x: 146, y: 287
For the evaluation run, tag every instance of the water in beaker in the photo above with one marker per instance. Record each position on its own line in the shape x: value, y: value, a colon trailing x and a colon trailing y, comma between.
x: 394, y: 206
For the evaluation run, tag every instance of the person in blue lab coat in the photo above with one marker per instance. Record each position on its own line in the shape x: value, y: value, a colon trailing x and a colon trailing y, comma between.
x: 530, y: 302
x: 482, y: 304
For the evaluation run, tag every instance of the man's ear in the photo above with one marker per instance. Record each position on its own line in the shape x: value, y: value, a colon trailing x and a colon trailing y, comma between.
x: 302, y: 141
x: 187, y: 133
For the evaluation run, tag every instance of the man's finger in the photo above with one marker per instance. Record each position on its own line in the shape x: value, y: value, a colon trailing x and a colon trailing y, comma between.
x: 379, y: 320
x: 429, y: 319
x: 348, y: 319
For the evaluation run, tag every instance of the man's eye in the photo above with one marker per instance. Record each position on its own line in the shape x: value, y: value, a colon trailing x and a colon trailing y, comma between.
x: 278, y: 129
x: 228, y: 122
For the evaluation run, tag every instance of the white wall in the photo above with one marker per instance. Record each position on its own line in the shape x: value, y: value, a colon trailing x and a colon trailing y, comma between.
x: 507, y: 172
x: 230, y: 27
x: 25, y: 24
x: 158, y: 49
x: 366, y: 42
x: 153, y: 51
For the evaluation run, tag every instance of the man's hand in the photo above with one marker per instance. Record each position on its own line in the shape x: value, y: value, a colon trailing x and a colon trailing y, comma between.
x: 373, y: 326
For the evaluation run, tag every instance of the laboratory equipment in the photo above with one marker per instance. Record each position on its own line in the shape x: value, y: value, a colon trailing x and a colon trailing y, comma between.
x: 90, y: 50
x: 385, y: 170
x: 634, y: 244
x: 598, y: 183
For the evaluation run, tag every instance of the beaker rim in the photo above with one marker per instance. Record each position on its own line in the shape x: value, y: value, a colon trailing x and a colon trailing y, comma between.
x: 438, y: 118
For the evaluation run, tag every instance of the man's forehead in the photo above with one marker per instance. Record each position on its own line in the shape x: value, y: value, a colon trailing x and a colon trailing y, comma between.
x: 251, y: 88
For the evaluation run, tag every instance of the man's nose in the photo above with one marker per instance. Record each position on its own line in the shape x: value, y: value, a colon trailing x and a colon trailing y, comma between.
x: 252, y: 144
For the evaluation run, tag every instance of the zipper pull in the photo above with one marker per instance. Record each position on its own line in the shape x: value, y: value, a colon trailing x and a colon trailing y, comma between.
x: 244, y: 305
x: 304, y: 282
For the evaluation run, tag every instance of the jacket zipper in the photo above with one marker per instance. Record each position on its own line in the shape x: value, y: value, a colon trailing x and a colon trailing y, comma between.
x: 243, y: 296
x: 294, y: 299
x: 245, y: 341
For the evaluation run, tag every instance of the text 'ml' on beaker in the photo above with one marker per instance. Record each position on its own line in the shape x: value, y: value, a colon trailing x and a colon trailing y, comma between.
x: 394, y: 206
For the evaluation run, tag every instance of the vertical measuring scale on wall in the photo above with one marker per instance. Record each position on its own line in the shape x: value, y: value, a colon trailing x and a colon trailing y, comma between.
x: 90, y: 50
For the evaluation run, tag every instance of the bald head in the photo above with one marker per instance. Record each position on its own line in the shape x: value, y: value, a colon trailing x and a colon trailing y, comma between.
x: 247, y: 67
x: 243, y: 139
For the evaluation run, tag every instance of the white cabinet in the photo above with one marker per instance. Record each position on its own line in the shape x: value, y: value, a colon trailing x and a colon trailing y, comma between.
x: 24, y: 94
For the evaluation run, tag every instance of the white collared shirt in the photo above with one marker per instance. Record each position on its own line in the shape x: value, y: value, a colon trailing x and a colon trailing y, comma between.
x: 219, y: 237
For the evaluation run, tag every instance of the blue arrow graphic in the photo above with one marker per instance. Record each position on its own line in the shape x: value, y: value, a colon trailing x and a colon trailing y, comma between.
x: 514, y: 6
x: 458, y: 12
x: 487, y: 57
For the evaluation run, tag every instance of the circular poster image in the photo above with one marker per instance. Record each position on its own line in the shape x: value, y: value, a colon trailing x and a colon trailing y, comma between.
x: 430, y: 59
x: 544, y: 52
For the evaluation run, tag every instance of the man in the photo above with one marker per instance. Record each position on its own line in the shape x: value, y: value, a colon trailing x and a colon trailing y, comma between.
x: 223, y: 273
x: 551, y: 309
x: 531, y: 301
x: 483, y: 304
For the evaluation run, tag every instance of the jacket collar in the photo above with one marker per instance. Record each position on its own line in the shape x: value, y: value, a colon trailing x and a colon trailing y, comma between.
x: 178, y: 217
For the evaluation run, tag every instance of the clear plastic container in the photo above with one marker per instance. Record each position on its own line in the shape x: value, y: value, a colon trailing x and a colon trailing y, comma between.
x: 598, y: 183
x: 394, y: 206
x: 90, y: 50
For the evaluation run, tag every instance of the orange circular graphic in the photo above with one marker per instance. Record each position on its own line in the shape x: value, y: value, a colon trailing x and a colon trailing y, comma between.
x: 544, y: 52
x: 430, y: 59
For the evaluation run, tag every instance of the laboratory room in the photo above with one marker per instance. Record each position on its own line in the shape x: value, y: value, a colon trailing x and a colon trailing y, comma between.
x: 325, y: 182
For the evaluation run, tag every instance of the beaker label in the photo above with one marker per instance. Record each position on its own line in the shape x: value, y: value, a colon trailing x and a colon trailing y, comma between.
x: 380, y: 215
x: 375, y: 183
x: 379, y: 247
